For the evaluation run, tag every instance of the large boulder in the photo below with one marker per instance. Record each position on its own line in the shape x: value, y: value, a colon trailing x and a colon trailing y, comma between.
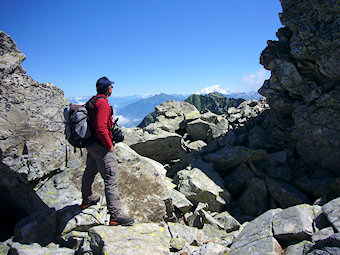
x: 322, y: 119
x: 321, y: 187
x: 332, y: 210
x: 294, y: 223
x: 299, y: 248
x: 232, y: 157
x: 139, y: 239
x: 157, y: 144
x: 180, y: 201
x: 198, y: 187
x: 33, y: 149
x: 257, y: 236
x: 330, y: 245
x: 229, y: 222
x: 208, y: 127
x: 304, y: 82
x: 142, y: 185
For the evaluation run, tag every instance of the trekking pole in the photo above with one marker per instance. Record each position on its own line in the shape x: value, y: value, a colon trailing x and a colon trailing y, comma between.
x: 114, y: 123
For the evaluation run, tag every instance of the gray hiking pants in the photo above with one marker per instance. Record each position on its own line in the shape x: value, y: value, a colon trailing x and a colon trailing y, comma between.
x: 99, y: 159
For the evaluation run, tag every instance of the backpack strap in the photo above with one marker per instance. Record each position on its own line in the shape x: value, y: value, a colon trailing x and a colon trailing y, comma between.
x: 90, y: 104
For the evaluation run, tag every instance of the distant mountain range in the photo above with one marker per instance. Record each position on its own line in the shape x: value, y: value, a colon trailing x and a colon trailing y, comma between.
x: 132, y: 109
x: 253, y: 95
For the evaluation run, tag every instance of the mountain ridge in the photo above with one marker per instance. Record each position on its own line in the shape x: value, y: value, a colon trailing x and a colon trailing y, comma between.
x: 131, y: 110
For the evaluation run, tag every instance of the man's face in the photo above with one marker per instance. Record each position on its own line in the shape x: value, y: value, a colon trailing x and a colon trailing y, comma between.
x: 109, y: 91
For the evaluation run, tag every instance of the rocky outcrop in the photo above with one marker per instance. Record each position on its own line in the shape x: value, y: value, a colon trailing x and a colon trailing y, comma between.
x: 304, y: 84
x: 32, y: 144
x: 39, y: 169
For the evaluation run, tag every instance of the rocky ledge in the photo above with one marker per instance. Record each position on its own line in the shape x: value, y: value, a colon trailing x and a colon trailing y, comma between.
x: 261, y: 177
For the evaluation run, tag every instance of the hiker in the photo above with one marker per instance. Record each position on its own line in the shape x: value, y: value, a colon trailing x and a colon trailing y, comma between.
x: 101, y: 156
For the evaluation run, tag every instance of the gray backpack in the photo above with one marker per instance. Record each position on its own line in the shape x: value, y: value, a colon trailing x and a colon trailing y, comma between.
x: 77, y: 128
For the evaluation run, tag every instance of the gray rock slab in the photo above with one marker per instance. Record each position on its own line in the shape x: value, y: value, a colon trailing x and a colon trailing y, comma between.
x: 180, y: 201
x: 258, y: 139
x: 213, y: 234
x: 208, y: 169
x: 267, y: 245
x: 162, y: 147
x: 126, y: 154
x: 328, y: 246
x: 182, y: 235
x: 280, y: 172
x: 229, y: 222
x: 196, y: 146
x: 212, y: 249
x: 294, y: 223
x: 332, y: 210
x: 198, y: 187
x: 259, y: 228
x: 142, y: 185
x: 232, y: 157
x: 142, y: 239
x: 299, y: 248
x: 34, y: 249
x: 208, y: 219
x: 322, y: 234
x: 62, y: 189
x: 73, y: 218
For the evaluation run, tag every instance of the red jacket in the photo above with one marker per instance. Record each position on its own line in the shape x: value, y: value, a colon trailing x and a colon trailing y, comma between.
x: 101, y: 121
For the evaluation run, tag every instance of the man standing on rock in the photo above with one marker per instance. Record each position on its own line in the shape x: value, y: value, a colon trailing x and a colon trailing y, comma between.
x: 101, y: 156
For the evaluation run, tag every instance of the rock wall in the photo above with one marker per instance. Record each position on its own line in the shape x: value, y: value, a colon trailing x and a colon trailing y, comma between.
x: 304, y: 87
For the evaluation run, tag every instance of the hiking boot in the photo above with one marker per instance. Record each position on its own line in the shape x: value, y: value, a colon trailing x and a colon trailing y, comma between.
x: 91, y: 200
x: 121, y: 220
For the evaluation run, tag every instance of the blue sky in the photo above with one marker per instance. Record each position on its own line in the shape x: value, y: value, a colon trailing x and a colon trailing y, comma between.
x: 145, y: 46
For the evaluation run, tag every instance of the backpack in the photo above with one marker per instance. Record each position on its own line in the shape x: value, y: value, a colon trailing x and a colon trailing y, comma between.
x: 77, y: 128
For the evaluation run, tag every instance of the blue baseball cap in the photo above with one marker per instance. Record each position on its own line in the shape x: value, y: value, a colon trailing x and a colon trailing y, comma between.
x: 104, y: 83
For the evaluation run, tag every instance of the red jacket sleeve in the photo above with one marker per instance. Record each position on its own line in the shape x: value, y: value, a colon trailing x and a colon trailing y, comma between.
x: 101, y: 122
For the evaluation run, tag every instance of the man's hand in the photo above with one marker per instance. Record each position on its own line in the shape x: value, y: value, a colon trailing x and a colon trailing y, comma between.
x: 111, y: 149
